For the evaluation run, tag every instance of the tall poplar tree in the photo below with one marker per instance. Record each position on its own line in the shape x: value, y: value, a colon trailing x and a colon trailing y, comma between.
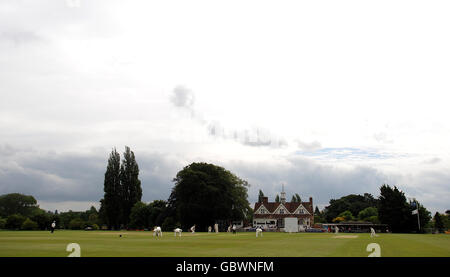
x: 260, y: 196
x: 111, y: 207
x: 131, y: 191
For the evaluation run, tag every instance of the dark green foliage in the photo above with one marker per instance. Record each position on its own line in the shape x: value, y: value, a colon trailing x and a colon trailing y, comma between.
x: 318, y: 216
x: 2, y: 223
x: 317, y: 211
x: 347, y: 215
x: 425, y: 218
x: 29, y: 224
x: 15, y: 221
x: 111, y: 204
x: 16, y: 203
x: 296, y: 198
x: 157, y: 211
x: 131, y: 191
x: 260, y: 196
x: 204, y: 193
x: 353, y: 203
x: 438, y: 222
x: 446, y: 220
x: 277, y: 199
x: 140, y: 215
x: 42, y: 219
x: 394, y: 210
x: 168, y: 224
x: 77, y: 224
x: 367, y: 212
x: 145, y: 216
x: 374, y: 219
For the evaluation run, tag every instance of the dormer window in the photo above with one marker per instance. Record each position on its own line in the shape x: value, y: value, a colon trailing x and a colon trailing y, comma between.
x: 281, y: 211
x: 262, y: 210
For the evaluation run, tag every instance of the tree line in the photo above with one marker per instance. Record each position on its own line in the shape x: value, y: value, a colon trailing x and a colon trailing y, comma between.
x: 203, y: 194
x: 391, y: 208
x: 21, y: 212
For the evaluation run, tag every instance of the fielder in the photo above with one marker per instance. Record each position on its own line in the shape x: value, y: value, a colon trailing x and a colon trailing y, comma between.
x: 157, y: 231
x: 177, y: 231
x: 258, y: 231
x: 216, y: 228
x: 372, y: 233
x: 53, y: 226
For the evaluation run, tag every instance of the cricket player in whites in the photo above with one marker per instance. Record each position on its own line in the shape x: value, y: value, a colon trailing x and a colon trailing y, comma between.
x: 177, y: 231
x: 336, y: 230
x: 53, y: 226
x: 193, y: 229
x: 372, y: 233
x: 258, y: 231
x: 216, y: 228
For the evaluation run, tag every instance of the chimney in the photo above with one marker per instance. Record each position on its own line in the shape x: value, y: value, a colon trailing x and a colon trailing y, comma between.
x: 265, y: 200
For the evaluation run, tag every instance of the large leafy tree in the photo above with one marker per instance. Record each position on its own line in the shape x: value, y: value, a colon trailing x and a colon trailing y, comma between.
x: 318, y: 217
x: 353, y: 203
x: 296, y: 198
x: 204, y: 193
x: 111, y: 206
x: 131, y: 191
x: 139, y: 216
x: 394, y: 210
x: 438, y: 222
x: 260, y: 196
x: 16, y: 203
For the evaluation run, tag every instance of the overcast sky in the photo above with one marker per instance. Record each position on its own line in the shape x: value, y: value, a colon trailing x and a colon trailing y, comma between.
x: 327, y: 97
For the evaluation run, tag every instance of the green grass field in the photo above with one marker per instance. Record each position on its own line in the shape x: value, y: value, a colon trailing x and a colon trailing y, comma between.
x: 143, y: 244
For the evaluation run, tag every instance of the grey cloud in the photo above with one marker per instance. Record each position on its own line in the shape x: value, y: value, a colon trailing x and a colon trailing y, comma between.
x: 256, y: 137
x: 52, y: 176
x: 324, y: 182
x: 308, y: 146
x: 20, y: 37
x: 68, y: 177
x: 382, y: 137
x: 182, y: 97
x: 434, y: 160
x: 309, y: 178
x: 430, y: 187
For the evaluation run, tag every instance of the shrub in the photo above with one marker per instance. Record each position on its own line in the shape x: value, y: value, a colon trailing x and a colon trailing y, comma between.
x: 77, y: 224
x: 347, y: 215
x: 367, y: 213
x: 374, y: 219
x: 2, y: 223
x: 338, y: 219
x: 15, y: 221
x: 29, y: 224
x: 42, y: 219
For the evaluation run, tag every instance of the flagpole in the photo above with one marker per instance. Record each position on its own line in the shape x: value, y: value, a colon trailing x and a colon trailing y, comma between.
x: 418, y: 219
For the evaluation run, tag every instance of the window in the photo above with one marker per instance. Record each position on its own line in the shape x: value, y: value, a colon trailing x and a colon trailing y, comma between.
x: 281, y: 211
